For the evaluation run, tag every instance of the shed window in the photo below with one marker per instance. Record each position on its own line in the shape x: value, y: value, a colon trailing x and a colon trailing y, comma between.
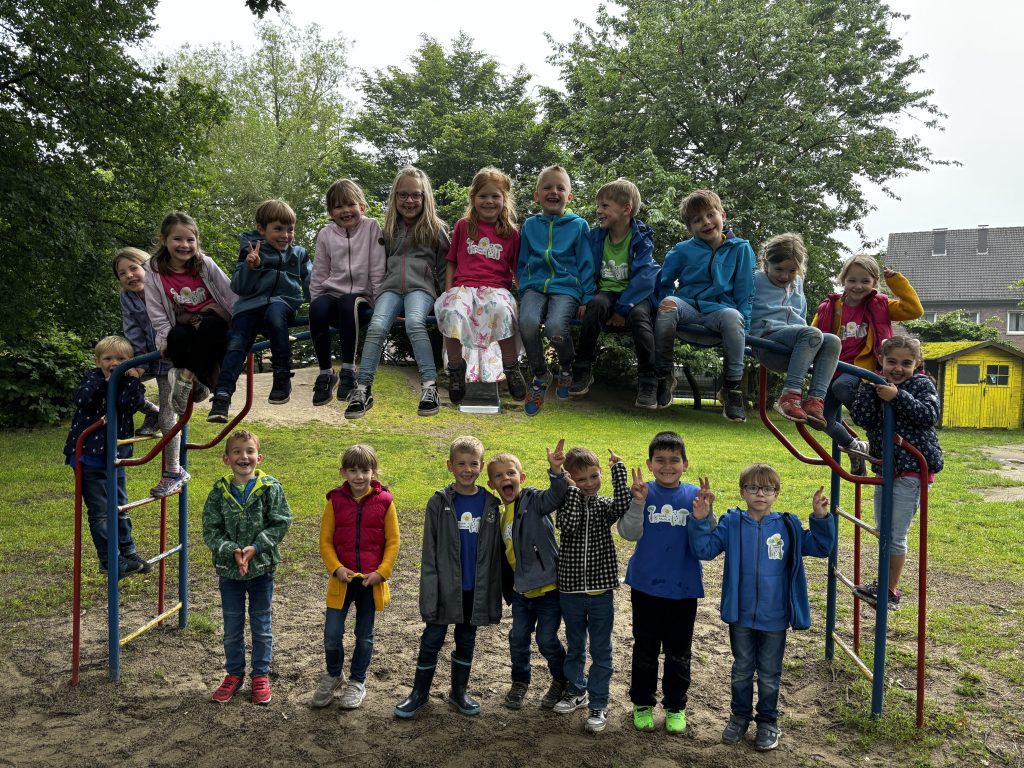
x: 997, y: 375
x: 967, y: 374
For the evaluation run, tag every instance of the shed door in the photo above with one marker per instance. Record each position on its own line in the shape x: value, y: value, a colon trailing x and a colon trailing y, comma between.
x: 964, y: 400
x: 996, y: 409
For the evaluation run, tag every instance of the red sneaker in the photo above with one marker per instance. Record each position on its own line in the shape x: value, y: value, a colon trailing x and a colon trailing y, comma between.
x: 227, y: 689
x: 261, y: 689
x: 788, y: 405
x: 814, y: 410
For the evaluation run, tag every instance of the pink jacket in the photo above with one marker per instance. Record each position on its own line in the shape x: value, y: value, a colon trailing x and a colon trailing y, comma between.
x: 160, y: 308
x: 348, y: 262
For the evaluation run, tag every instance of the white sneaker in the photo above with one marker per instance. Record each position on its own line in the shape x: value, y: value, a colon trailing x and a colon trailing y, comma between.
x: 571, y: 702
x: 597, y: 719
x: 324, y: 693
x: 353, y: 695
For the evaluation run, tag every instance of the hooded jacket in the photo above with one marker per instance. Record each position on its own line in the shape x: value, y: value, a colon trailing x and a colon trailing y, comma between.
x: 160, y: 308
x: 644, y: 271
x: 90, y: 401
x: 349, y: 262
x: 281, y: 276
x: 773, y: 307
x: 555, y: 257
x: 709, y: 281
x: 139, y: 330
x: 415, y: 267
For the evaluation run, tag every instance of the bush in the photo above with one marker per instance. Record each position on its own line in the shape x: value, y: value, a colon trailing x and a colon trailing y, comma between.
x: 38, y: 374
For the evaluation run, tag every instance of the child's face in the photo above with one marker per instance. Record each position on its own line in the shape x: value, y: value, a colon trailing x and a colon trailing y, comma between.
x: 465, y: 468
x: 108, y: 361
x: 278, y: 234
x: 782, y: 273
x: 358, y: 479
x: 505, y: 478
x: 242, y: 457
x: 554, y: 191
x: 668, y: 466
x: 587, y: 479
x: 347, y: 214
x: 760, y: 499
x: 131, y: 276
x: 708, y: 226
x: 182, y: 245
x: 409, y: 198
x: 611, y: 214
x: 489, y: 202
x: 899, y: 365
x: 857, y: 284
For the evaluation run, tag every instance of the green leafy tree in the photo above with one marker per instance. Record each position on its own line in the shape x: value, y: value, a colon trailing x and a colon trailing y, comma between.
x: 953, y: 326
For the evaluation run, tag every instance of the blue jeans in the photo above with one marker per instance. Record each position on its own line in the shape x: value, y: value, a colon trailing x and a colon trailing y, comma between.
x: 334, y: 632
x: 94, y: 496
x: 272, y: 320
x: 808, y: 346
x: 760, y: 651
x: 544, y: 614
x: 434, y: 634
x: 906, y: 494
x: 727, y: 323
x: 416, y: 307
x: 591, y: 615
x: 553, y: 311
x: 842, y: 392
x: 232, y: 597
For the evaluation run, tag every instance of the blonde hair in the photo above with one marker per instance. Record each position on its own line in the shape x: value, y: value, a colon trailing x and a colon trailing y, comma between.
x: 466, y: 444
x: 241, y: 435
x: 342, y: 192
x: 621, y: 191
x: 274, y: 211
x: 119, y: 345
x: 162, y: 256
x: 552, y: 169
x: 580, y: 458
x: 506, y: 223
x: 134, y: 255
x: 697, y: 202
x: 903, y: 342
x: 360, y: 456
x: 503, y: 458
x: 782, y: 248
x: 761, y: 474
x: 428, y: 228
x: 867, y: 263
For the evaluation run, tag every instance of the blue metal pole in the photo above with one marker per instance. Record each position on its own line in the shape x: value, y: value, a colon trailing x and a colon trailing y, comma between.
x: 884, y: 546
x: 113, y: 548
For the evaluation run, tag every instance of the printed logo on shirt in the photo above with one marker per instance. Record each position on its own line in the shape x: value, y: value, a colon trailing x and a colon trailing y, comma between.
x: 484, y: 248
x: 189, y: 297
x: 469, y: 523
x: 666, y: 515
x: 612, y: 270
x: 853, y: 330
x: 775, y: 546
x: 506, y: 534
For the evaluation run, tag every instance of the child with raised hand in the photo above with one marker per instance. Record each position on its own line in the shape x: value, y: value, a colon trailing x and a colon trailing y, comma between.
x: 556, y: 273
x: 665, y: 582
x: 90, y: 399
x: 460, y: 576
x: 915, y: 406
x: 417, y: 243
x: 245, y: 517
x: 862, y: 318
x: 359, y: 540
x: 588, y: 574
x: 530, y: 574
x: 778, y: 314
x: 271, y: 280
x: 189, y: 302
x: 764, y: 589
x: 477, y: 312
x: 347, y: 273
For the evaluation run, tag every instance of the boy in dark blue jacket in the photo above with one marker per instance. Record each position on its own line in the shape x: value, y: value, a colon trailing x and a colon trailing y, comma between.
x: 622, y: 249
x: 271, y: 280
x: 764, y: 590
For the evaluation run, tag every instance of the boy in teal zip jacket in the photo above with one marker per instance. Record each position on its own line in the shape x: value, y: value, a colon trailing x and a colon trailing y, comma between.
x: 245, y: 517
x: 556, y: 274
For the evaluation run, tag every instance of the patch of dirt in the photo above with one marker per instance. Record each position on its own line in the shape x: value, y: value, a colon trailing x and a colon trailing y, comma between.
x: 1011, y: 459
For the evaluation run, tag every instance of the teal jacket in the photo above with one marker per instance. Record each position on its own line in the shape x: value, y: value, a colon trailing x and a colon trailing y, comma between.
x: 261, y: 522
x: 710, y: 281
x: 555, y: 257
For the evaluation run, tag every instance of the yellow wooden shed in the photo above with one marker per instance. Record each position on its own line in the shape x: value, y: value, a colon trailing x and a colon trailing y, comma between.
x: 979, y: 383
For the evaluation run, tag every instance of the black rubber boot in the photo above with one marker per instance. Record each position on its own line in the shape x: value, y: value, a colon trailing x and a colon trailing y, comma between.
x: 420, y: 694
x: 458, y: 698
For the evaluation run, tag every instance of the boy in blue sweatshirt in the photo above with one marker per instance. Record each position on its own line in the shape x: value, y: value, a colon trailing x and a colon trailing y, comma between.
x: 707, y: 280
x: 271, y: 280
x: 556, y: 274
x: 622, y: 249
x: 764, y: 589
x: 665, y: 582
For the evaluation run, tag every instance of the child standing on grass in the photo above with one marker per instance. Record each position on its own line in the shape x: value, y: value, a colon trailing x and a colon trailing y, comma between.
x: 764, y: 589
x: 417, y: 245
x: 347, y: 273
x: 915, y: 405
x: 245, y: 517
x: 358, y: 544
x: 477, y: 312
x: 460, y: 576
x: 588, y: 574
x: 90, y: 400
x: 778, y: 314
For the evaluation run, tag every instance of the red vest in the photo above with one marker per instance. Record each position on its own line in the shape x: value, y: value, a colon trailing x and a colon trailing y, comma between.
x: 876, y: 308
x: 359, y: 526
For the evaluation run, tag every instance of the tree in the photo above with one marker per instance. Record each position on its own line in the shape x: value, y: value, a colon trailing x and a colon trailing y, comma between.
x: 953, y: 326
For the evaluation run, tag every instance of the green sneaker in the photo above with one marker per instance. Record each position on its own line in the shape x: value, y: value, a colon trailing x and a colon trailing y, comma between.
x: 643, y: 718
x: 675, y: 721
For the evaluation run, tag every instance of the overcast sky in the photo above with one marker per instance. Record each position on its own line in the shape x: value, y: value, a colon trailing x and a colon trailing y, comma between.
x: 975, y: 67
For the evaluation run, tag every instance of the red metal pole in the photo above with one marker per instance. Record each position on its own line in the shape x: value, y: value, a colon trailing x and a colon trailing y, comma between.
x: 856, y: 568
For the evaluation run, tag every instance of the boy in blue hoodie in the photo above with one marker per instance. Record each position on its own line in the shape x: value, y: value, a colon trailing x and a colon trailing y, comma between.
x: 271, y: 280
x: 708, y: 280
x: 622, y: 249
x: 764, y: 590
x: 556, y: 274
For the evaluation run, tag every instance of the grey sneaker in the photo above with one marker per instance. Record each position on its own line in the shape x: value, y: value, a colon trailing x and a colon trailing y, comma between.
x: 353, y: 695
x: 733, y: 407
x: 571, y: 702
x: 150, y: 425
x: 324, y: 693
x: 359, y: 403
x: 859, y: 452
x: 554, y: 695
x: 170, y: 484
x: 647, y: 393
x: 735, y: 730
x: 767, y: 737
x: 429, y: 403
x: 516, y: 694
x: 597, y: 719
x: 180, y: 390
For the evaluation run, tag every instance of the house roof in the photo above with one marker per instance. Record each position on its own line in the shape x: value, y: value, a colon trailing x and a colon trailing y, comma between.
x: 939, y: 351
x: 962, y: 274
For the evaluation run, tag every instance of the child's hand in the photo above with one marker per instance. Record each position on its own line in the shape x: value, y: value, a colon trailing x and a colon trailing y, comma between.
x: 344, y: 574
x: 887, y: 272
x: 613, y: 458
x: 253, y: 257
x: 616, y: 320
x: 372, y: 578
x: 819, y: 504
x: 886, y: 391
x: 140, y: 372
x: 569, y: 481
x: 557, y: 457
x: 581, y: 311
x: 639, y: 487
x: 135, y: 373
x: 704, y: 500
x: 240, y: 561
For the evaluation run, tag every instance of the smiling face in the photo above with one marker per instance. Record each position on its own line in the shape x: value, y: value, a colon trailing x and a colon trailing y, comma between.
x: 899, y: 364
x: 358, y: 479
x: 587, y: 479
x: 182, y: 244
x: 278, y: 234
x: 759, y: 501
x: 782, y: 273
x: 667, y: 466
x: 506, y: 478
x: 465, y: 468
x: 409, y: 198
x: 612, y: 215
x: 554, y: 191
x: 857, y: 284
x: 708, y: 226
x: 488, y: 202
x: 108, y: 361
x: 347, y: 214
x: 242, y: 457
x: 131, y: 275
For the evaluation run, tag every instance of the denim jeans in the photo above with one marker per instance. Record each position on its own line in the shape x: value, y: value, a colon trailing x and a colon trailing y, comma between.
x: 661, y: 624
x: 94, y: 496
x: 760, y: 651
x: 589, y: 615
x: 906, y: 494
x: 544, y: 614
x: 553, y: 311
x: 416, y: 307
x: 641, y: 323
x: 842, y: 392
x: 232, y: 597
x: 334, y: 632
x: 434, y: 634
x: 807, y: 346
x: 727, y: 323
x: 272, y: 320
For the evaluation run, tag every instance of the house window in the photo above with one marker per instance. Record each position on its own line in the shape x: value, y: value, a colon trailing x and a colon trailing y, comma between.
x: 939, y: 242
x: 997, y: 375
x: 930, y: 317
x: 1015, y: 322
x: 983, y: 240
x: 967, y: 374
x: 970, y: 317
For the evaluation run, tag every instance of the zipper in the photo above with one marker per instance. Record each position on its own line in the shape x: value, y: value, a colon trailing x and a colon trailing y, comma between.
x: 586, y: 540
x: 537, y: 553
x: 757, y: 570
x: 547, y: 253
x: 359, y: 530
x: 348, y: 242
